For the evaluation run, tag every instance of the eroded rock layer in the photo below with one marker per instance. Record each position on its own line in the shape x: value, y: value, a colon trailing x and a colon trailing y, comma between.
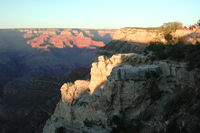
x: 121, y: 89
x: 129, y: 40
x: 80, y: 38
x: 129, y: 93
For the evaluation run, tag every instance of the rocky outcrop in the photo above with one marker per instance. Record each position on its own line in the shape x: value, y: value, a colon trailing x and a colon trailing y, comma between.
x: 104, y: 32
x: 28, y: 35
x: 137, y: 35
x: 121, y: 88
x: 101, y: 69
x: 134, y: 40
x: 71, y: 92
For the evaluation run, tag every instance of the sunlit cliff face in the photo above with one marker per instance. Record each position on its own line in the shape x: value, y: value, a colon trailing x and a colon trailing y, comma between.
x: 145, y: 36
x: 103, y: 67
x: 81, y: 38
x: 99, y: 74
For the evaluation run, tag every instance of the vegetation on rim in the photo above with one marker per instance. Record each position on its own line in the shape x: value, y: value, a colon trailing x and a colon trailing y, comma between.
x: 174, y: 49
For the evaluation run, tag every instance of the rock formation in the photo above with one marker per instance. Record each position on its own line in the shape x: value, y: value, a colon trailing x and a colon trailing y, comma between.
x: 118, y: 84
x: 128, y: 40
x: 129, y: 93
x: 48, y: 38
x: 104, y: 32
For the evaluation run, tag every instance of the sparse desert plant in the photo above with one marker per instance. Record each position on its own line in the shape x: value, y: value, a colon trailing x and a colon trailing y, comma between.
x: 176, y: 51
x: 168, y: 28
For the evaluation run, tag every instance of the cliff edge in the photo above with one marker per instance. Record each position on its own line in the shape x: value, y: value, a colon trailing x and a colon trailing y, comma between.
x: 132, y: 40
x: 123, y: 87
x: 129, y: 93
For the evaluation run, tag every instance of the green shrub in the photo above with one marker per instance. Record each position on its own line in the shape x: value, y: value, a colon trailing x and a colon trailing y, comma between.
x: 176, y: 51
x: 193, y: 56
x: 168, y: 28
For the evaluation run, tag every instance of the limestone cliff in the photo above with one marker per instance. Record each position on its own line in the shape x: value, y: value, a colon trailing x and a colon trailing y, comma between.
x: 123, y: 86
x: 129, y: 40
x: 129, y: 93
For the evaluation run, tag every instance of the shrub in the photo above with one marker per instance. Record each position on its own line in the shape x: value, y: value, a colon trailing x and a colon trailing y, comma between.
x: 193, y: 56
x: 168, y: 28
x: 158, y: 49
x: 177, y: 51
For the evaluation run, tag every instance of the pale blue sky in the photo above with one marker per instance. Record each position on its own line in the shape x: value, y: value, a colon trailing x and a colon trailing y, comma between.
x: 113, y: 14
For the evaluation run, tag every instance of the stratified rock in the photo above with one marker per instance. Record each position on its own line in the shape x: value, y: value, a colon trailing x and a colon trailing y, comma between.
x: 165, y: 68
x: 134, y: 40
x: 123, y: 83
x: 126, y: 87
x: 67, y: 38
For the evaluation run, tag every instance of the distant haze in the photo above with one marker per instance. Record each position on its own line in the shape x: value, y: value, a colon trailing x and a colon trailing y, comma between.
x: 96, y: 14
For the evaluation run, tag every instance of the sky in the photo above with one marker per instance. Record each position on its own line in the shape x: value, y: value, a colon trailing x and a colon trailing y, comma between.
x: 96, y: 14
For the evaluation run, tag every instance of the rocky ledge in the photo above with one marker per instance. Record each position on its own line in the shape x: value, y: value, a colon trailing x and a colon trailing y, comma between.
x: 129, y: 40
x: 127, y: 92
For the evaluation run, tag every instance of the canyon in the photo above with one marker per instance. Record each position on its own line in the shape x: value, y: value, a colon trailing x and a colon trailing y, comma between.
x: 79, y: 38
x: 29, y: 53
x: 28, y: 57
x: 123, y: 87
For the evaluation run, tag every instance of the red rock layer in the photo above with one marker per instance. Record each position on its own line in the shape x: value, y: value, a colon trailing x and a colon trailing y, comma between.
x: 28, y: 35
x: 36, y: 42
x: 46, y: 38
